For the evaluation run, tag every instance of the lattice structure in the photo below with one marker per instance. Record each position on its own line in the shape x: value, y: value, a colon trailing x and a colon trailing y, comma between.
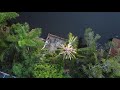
x: 5, y: 75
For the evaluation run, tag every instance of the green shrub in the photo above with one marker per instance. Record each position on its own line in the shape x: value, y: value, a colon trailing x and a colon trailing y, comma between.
x: 47, y: 71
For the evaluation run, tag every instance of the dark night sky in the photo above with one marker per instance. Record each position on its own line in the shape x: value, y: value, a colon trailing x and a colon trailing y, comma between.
x: 107, y: 24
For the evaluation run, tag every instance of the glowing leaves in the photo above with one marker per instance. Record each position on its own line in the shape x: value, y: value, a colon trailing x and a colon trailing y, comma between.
x: 68, y: 51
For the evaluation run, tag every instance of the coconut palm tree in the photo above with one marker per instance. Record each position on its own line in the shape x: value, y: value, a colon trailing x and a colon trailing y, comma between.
x: 68, y: 50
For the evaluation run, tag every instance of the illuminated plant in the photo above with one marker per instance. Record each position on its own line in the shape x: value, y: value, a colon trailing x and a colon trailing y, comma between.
x: 69, y: 50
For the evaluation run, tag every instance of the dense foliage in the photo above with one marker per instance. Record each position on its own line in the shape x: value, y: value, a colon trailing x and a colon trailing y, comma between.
x: 21, y: 54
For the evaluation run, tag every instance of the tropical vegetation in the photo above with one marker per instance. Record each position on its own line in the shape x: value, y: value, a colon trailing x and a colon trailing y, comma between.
x: 21, y: 54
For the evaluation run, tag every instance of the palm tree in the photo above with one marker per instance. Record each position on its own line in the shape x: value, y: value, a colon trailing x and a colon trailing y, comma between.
x: 69, y: 50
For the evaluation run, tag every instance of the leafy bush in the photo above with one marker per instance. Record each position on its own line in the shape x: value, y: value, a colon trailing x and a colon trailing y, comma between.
x: 47, y: 71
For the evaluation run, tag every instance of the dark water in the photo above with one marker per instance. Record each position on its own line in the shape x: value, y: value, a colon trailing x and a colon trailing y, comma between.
x: 107, y: 24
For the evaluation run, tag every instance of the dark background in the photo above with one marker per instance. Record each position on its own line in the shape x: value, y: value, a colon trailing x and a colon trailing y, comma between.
x: 107, y: 24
